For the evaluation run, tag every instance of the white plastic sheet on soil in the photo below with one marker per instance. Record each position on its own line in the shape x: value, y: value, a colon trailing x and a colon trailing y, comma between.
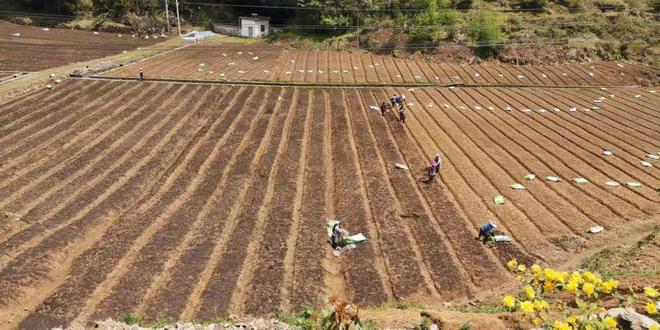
x: 580, y: 180
x: 517, y: 186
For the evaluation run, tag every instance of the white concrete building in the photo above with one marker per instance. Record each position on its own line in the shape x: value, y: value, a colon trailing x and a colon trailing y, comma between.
x: 254, y: 26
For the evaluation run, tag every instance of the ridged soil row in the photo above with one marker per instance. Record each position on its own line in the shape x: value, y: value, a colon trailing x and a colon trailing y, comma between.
x: 445, y: 208
x: 567, y: 202
x: 305, y: 284
x: 512, y: 219
x: 590, y: 141
x: 168, y: 294
x: 175, y: 146
x: 66, y: 143
x: 235, y: 173
x: 324, y: 58
x: 392, y: 70
x: 408, y: 272
x: 626, y: 148
x: 29, y: 177
x: 562, y: 162
x: 23, y: 106
x: 38, y: 198
x: 461, y: 256
x: 211, y: 295
x: 87, y: 274
x: 608, y: 120
x: 31, y: 267
x: 18, y: 248
x: 629, y: 107
x: 48, y: 113
x: 260, y: 284
x: 574, y: 160
x: 126, y: 286
x: 498, y: 73
x: 58, y: 211
x: 287, y: 66
x: 645, y: 105
x: 430, y: 246
x: 45, y: 137
x: 370, y: 69
x: 501, y: 175
x: 346, y: 67
x: 335, y: 65
x: 364, y: 269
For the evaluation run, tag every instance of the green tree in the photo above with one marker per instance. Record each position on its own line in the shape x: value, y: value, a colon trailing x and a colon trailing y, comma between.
x: 486, y: 32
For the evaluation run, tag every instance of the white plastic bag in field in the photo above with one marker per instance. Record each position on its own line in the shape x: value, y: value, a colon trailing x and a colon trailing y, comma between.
x: 553, y: 178
x: 612, y: 183
x: 517, y: 186
x: 646, y: 164
x: 633, y: 184
x: 580, y: 180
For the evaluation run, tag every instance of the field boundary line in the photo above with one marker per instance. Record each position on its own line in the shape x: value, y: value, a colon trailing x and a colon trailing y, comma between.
x: 342, y: 85
x: 123, y: 65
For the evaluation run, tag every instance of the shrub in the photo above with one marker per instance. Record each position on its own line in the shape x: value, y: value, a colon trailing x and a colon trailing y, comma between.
x: 485, y: 32
x: 530, y: 4
x: 131, y: 319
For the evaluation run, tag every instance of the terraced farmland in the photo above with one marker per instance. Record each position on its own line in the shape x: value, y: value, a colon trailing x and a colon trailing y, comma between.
x: 214, y: 61
x: 194, y: 201
x: 31, y: 48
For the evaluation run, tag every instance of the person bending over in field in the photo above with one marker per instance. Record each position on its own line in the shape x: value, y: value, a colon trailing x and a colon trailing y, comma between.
x: 402, y: 114
x: 393, y: 100
x: 487, y: 231
x: 337, y: 236
x: 434, y: 168
x: 383, y: 108
x: 141, y: 74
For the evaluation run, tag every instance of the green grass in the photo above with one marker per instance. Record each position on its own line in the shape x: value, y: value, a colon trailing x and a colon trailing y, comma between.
x: 131, y: 319
x: 483, y: 309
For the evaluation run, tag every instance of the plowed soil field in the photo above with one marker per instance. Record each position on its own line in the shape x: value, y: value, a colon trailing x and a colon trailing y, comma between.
x: 213, y: 61
x: 30, y: 48
x: 191, y: 201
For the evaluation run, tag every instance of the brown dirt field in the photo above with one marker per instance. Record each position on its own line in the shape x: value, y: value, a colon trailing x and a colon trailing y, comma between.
x: 195, y: 201
x: 263, y: 62
x: 35, y: 49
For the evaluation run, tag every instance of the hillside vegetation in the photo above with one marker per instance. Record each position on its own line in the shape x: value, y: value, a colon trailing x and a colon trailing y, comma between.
x: 520, y: 31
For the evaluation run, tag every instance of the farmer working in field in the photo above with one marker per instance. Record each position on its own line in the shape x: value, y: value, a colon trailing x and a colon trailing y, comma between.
x: 337, y: 235
x: 434, y: 168
x: 487, y: 231
x: 383, y: 108
x: 141, y: 74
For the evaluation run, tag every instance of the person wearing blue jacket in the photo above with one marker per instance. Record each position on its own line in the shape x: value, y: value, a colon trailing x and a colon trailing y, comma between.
x: 487, y: 231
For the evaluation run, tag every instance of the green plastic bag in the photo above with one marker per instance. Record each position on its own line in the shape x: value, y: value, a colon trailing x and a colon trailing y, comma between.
x: 499, y: 200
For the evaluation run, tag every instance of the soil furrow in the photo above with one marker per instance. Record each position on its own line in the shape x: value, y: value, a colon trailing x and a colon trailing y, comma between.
x: 206, y: 173
x: 218, y: 281
x: 571, y: 162
x: 63, y: 305
x: 263, y: 276
x: 408, y: 278
x: 363, y: 268
x: 26, y: 179
x: 167, y: 296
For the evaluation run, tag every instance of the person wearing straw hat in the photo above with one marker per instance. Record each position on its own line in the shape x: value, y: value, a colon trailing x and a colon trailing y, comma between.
x: 487, y: 231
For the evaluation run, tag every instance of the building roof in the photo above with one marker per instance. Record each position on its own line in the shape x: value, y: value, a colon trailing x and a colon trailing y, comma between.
x: 255, y: 18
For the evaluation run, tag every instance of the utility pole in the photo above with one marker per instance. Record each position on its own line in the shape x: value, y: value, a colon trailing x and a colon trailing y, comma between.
x: 178, y: 20
x: 167, y: 17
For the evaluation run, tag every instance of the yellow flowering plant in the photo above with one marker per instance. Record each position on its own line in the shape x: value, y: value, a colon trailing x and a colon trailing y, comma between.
x: 540, y: 296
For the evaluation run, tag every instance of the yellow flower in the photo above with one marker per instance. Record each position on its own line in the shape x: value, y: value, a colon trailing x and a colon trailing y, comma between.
x: 651, y: 309
x: 650, y: 292
x: 512, y: 264
x: 536, y: 269
x: 654, y: 327
x: 527, y: 307
x: 548, y: 286
x: 610, y: 322
x: 509, y: 301
x: 541, y: 305
x: 588, y: 277
x: 537, y: 321
x: 558, y: 325
x: 572, y: 286
x: 609, y: 285
x: 575, y: 276
x: 572, y: 320
x: 529, y: 292
x: 520, y: 279
x: 522, y: 268
x: 588, y: 289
